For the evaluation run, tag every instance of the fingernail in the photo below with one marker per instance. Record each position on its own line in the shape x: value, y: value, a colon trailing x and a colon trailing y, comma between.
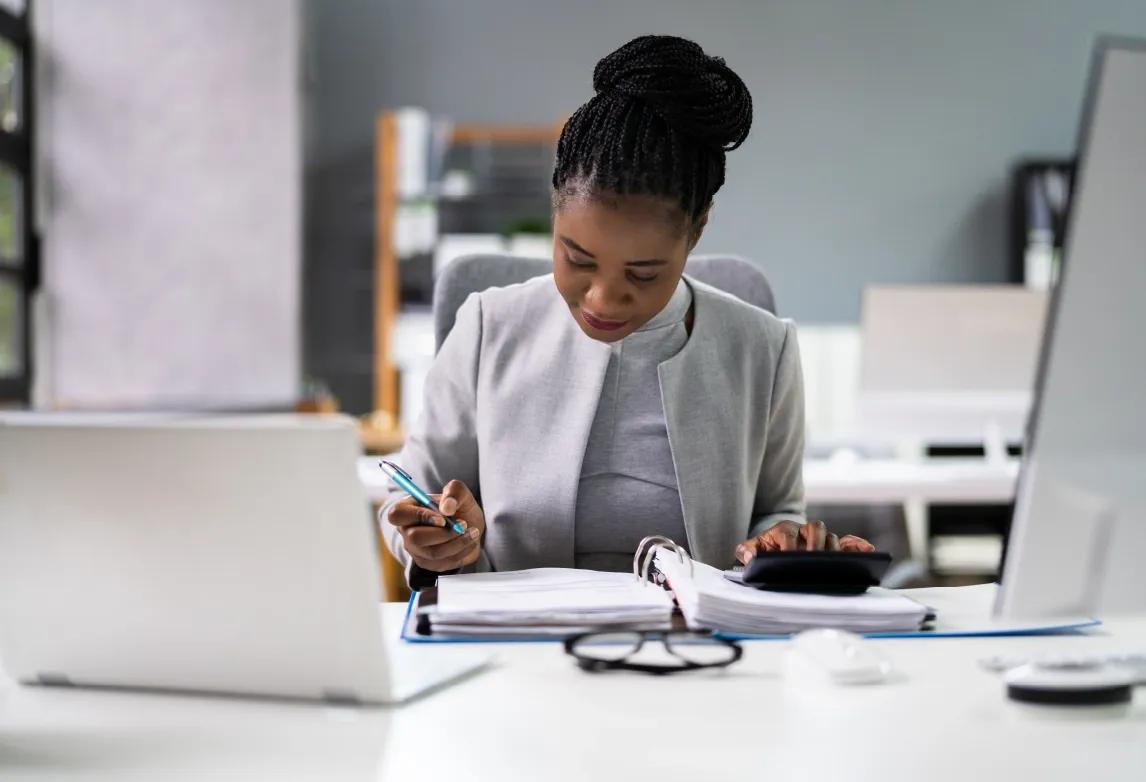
x: 474, y: 533
x: 743, y: 554
x: 464, y: 525
x: 448, y: 506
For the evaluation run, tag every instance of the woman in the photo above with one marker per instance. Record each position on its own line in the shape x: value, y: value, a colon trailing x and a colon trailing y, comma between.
x: 572, y: 415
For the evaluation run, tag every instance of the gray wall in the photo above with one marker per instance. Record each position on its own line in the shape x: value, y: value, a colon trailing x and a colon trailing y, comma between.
x: 883, y: 132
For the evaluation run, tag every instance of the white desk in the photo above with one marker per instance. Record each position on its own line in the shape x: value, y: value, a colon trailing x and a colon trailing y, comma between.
x: 534, y: 715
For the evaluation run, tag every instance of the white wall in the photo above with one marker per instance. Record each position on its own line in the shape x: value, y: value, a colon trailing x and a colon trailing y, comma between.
x: 170, y: 168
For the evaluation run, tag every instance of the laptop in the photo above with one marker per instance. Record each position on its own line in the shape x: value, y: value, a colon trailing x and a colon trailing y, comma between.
x: 223, y: 554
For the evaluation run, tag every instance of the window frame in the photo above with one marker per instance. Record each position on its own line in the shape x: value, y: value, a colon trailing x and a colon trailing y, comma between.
x: 16, y: 154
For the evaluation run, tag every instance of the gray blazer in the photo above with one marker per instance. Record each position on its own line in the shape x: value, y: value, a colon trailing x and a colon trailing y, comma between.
x: 513, y: 391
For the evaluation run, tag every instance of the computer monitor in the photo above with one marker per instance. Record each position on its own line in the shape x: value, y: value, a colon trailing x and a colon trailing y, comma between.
x: 1078, y: 538
x: 964, y: 370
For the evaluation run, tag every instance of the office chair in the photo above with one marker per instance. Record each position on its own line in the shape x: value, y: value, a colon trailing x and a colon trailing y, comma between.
x: 472, y: 273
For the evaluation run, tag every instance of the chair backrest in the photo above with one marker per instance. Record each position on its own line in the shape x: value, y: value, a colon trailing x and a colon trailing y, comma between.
x: 471, y: 273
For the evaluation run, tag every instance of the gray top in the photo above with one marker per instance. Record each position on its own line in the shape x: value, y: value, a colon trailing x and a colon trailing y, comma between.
x: 628, y: 486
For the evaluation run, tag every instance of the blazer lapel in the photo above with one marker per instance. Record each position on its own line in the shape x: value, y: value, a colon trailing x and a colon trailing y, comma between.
x: 550, y: 413
x: 700, y: 417
x: 580, y: 367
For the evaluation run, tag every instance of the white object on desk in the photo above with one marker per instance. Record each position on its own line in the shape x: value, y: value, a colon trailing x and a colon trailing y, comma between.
x: 1092, y: 683
x: 1135, y: 662
x: 835, y: 656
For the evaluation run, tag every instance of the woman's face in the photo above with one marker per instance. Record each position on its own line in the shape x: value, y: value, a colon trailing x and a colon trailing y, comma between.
x: 617, y: 259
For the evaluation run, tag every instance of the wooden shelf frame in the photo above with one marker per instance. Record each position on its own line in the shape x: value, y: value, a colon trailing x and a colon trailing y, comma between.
x: 387, y: 303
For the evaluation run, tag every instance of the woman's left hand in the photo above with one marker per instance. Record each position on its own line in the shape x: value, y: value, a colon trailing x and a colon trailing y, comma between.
x: 790, y: 536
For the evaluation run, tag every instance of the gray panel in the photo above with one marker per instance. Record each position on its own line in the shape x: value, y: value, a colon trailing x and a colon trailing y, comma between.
x: 171, y: 136
x: 951, y: 338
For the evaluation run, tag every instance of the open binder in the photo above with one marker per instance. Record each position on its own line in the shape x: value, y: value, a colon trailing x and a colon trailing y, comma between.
x: 667, y: 589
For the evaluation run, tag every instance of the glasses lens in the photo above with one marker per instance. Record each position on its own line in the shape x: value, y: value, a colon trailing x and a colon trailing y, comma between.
x: 700, y: 649
x: 607, y: 646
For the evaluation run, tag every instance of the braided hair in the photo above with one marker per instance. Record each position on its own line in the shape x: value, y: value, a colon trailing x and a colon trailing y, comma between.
x: 664, y: 116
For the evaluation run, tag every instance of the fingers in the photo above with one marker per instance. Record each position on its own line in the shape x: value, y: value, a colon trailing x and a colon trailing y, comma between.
x: 408, y: 513
x: 813, y: 534
x: 426, y: 537
x: 454, y: 546
x: 782, y: 537
x: 747, y: 550
x: 455, y: 497
x: 472, y: 557
x: 460, y: 550
x: 790, y: 536
x: 853, y: 543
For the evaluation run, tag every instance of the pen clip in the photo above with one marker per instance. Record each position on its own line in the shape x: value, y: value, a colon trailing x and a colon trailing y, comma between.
x: 384, y: 464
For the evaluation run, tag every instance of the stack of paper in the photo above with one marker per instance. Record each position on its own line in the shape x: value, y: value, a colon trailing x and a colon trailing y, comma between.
x: 708, y: 600
x: 546, y: 601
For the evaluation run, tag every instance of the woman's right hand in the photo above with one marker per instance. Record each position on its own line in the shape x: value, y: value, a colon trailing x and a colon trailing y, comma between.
x: 432, y: 545
x: 790, y: 536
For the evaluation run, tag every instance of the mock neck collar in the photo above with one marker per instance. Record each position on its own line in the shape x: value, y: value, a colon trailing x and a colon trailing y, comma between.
x: 673, y: 312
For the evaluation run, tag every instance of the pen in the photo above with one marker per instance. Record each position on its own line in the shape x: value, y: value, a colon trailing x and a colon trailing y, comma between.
x: 406, y: 484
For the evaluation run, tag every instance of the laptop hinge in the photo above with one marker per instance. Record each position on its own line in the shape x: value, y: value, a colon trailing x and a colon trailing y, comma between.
x: 341, y: 697
x: 53, y: 679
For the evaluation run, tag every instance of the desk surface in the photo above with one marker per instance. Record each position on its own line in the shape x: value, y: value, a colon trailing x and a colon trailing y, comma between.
x: 950, y: 480
x: 534, y: 715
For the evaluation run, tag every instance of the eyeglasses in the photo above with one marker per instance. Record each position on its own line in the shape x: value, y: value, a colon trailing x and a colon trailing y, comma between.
x: 611, y: 650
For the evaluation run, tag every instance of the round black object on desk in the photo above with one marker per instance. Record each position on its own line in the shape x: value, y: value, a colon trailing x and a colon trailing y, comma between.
x: 1070, y: 684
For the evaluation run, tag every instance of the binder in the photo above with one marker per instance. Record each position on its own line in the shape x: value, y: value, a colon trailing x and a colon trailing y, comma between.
x: 956, y: 612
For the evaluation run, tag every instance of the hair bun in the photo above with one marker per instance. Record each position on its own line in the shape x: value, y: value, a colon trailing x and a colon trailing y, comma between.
x: 696, y: 94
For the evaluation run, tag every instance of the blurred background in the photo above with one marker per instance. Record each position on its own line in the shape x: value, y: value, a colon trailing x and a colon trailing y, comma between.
x: 218, y: 205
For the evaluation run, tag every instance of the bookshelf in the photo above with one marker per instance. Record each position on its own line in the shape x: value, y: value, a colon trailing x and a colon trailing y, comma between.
x: 509, y: 185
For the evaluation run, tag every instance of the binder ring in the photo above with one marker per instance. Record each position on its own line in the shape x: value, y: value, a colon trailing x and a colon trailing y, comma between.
x: 641, y: 564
